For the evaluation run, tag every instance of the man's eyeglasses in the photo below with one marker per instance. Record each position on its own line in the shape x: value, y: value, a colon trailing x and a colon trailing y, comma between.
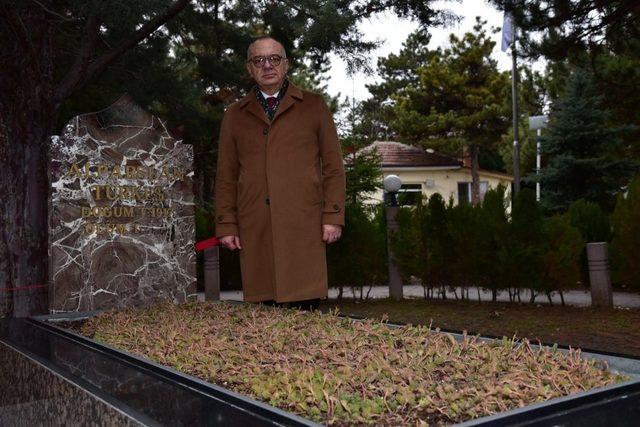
x: 259, y: 61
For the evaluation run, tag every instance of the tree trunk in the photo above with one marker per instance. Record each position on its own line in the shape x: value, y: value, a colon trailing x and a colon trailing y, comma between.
x: 561, y: 298
x: 23, y: 212
x: 475, y: 176
x: 533, y: 296
x: 368, y: 292
x: 27, y: 118
x: 494, y: 295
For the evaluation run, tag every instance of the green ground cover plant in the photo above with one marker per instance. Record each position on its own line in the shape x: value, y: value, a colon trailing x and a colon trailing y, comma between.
x: 341, y: 372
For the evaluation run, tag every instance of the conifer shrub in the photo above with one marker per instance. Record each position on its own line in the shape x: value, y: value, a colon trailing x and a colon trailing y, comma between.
x: 625, y: 246
x: 359, y: 258
x: 561, y: 251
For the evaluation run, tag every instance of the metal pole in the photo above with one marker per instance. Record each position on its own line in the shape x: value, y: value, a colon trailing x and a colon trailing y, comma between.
x: 395, y: 280
x: 538, y: 163
x: 514, y: 93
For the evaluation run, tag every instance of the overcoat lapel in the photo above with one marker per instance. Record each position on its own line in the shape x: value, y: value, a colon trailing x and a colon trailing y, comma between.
x: 251, y: 104
x: 293, y: 94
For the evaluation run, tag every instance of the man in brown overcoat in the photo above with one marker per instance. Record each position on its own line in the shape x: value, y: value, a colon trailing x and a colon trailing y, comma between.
x: 280, y: 184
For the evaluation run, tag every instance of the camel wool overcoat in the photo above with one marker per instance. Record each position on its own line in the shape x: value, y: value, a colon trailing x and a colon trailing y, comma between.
x: 277, y: 182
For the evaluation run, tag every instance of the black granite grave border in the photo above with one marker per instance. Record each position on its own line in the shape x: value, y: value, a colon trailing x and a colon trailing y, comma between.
x: 240, y: 410
x: 617, y: 404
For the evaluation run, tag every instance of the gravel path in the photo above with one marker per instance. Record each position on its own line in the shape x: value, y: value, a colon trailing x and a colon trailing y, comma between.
x: 574, y: 298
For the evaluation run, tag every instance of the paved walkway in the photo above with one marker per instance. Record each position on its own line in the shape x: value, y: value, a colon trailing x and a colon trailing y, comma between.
x: 574, y: 298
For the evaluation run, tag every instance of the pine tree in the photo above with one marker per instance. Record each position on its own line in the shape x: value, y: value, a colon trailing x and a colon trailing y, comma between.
x: 363, y: 171
x: 458, y: 101
x: 580, y: 150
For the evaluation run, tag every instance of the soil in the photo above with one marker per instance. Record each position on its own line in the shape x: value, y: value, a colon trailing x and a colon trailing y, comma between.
x: 603, y: 330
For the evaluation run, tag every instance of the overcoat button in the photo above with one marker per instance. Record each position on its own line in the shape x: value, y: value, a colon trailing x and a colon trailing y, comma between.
x: 265, y: 131
x: 267, y: 201
x: 336, y: 207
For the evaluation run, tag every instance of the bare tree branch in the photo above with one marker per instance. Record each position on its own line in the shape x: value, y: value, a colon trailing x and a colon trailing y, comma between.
x: 98, y: 65
x: 79, y: 68
x: 52, y: 12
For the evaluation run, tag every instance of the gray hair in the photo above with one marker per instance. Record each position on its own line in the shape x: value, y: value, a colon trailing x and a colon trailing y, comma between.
x: 257, y: 39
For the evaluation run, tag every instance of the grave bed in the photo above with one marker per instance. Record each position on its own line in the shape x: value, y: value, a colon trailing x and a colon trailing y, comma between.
x: 143, y: 392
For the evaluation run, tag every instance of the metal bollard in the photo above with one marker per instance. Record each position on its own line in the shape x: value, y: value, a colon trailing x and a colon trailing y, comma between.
x: 212, y: 273
x: 599, y: 278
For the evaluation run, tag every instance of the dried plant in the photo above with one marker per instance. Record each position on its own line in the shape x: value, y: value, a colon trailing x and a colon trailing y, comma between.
x: 342, y: 372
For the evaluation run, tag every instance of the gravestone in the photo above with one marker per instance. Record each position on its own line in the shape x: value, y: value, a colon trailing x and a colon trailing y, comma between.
x: 121, y: 222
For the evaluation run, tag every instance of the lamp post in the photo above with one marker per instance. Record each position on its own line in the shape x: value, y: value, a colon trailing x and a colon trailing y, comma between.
x: 392, y: 184
x: 538, y: 123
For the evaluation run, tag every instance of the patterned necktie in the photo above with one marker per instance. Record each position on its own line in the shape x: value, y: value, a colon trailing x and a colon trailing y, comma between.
x: 271, y: 102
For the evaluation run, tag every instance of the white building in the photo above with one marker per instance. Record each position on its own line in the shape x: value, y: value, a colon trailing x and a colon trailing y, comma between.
x: 429, y: 172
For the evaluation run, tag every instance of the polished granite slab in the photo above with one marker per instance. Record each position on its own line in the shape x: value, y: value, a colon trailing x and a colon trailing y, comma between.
x: 31, y: 394
x: 136, y: 388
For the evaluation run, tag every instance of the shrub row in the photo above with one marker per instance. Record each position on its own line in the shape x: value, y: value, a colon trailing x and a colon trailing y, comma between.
x: 448, y: 247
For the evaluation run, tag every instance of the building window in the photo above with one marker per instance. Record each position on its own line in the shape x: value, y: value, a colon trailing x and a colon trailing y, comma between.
x: 408, y: 194
x: 464, y: 191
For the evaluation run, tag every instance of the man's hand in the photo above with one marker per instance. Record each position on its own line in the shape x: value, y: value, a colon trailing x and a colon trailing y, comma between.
x: 230, y: 242
x: 331, y: 233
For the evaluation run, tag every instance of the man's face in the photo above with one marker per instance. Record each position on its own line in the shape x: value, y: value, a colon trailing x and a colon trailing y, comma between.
x: 269, y: 77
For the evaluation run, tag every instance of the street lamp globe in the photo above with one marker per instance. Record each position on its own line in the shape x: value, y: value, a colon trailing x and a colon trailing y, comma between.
x: 392, y: 183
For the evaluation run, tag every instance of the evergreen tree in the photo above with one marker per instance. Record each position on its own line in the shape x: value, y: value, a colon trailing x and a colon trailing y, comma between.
x: 590, y: 220
x: 440, y: 249
x: 625, y: 246
x: 359, y: 258
x: 396, y: 71
x: 410, y: 242
x: 603, y: 37
x: 580, y: 151
x: 493, y: 228
x: 569, y: 26
x: 362, y: 164
x: 522, y: 252
x: 561, y: 249
x: 464, y: 227
x: 458, y: 101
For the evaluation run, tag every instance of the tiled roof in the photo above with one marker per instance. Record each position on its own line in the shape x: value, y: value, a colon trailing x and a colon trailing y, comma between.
x: 396, y: 154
